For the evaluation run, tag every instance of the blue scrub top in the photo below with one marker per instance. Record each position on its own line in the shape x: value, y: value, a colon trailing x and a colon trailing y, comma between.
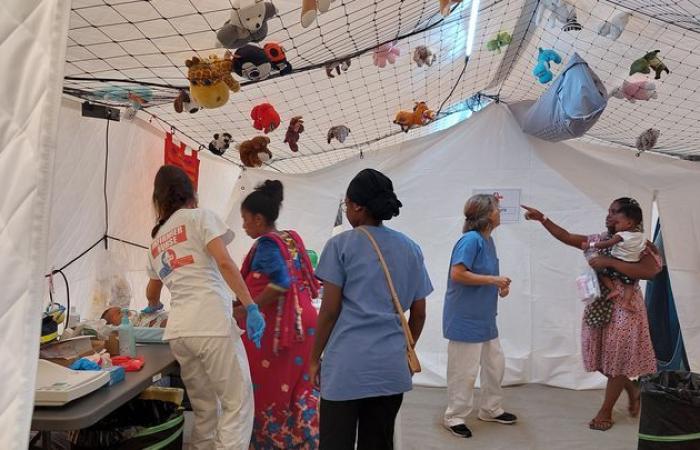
x: 469, y: 313
x: 366, y: 353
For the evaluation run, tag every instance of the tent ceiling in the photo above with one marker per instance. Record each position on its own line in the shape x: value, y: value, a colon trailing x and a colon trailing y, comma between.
x: 149, y: 41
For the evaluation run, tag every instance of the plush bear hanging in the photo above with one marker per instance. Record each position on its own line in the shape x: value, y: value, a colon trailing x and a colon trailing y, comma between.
x: 424, y: 56
x: 220, y: 143
x: 265, y: 117
x: 311, y: 8
x: 421, y: 115
x: 254, y: 152
x: 339, y: 132
x: 542, y: 69
x: 385, y: 53
x: 647, y: 62
x: 211, y: 80
x: 560, y: 12
x: 296, y: 127
x: 248, y: 23
x: 278, y: 57
x: 634, y: 90
x: 250, y: 61
x: 647, y: 140
x: 184, y: 102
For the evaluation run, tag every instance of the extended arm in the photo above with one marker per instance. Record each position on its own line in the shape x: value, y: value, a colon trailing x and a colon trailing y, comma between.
x: 574, y: 240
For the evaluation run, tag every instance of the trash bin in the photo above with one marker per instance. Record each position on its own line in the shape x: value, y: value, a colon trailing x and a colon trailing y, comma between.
x: 670, y: 416
x: 155, y: 420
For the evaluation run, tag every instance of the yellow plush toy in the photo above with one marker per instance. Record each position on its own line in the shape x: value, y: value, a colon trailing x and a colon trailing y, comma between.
x: 211, y: 79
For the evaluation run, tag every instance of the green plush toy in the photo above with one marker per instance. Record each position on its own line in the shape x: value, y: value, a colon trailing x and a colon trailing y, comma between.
x: 501, y: 40
x: 313, y: 257
x: 648, y: 62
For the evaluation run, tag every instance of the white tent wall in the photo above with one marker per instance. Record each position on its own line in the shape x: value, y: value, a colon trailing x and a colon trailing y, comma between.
x: 78, y: 219
x: 33, y: 37
x: 541, y: 319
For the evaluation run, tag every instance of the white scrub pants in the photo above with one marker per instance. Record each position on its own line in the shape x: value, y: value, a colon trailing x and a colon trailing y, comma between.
x: 463, y: 361
x: 217, y: 377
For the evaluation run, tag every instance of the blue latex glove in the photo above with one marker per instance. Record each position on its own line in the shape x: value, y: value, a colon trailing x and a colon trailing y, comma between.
x: 84, y: 364
x: 149, y: 309
x: 254, y: 324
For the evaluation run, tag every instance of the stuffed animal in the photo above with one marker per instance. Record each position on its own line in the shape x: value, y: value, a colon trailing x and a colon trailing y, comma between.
x: 445, y: 6
x: 542, y: 69
x: 423, y: 55
x: 500, y: 40
x: 296, y: 127
x: 649, y: 61
x: 615, y: 27
x: 278, y: 58
x: 220, y: 143
x: 634, y: 90
x: 560, y: 11
x: 254, y: 152
x: 184, y: 102
x: 343, y: 64
x: 340, y: 132
x: 248, y: 23
x: 265, y: 117
x: 250, y: 61
x: 420, y: 116
x: 211, y: 80
x: 311, y: 8
x: 647, y: 140
x: 385, y: 53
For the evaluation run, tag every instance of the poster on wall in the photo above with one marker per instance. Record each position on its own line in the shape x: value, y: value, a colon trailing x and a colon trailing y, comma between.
x: 508, y: 202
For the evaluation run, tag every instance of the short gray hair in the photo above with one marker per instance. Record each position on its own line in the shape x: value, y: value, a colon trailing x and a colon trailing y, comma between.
x: 477, y: 211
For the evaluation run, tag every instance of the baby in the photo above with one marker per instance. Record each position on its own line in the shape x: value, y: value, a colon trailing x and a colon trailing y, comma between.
x: 156, y: 319
x: 626, y: 244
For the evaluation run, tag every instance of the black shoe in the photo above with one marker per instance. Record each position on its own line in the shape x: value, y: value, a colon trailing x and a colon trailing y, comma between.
x: 506, y: 418
x: 460, y: 430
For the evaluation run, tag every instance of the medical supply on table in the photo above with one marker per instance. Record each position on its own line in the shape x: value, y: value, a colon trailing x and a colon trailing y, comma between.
x: 127, y: 339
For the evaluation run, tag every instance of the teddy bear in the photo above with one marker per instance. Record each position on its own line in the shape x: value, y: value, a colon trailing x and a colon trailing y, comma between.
x: 343, y: 64
x: 220, y: 143
x: 385, y: 53
x: 184, y: 102
x: 634, y: 90
x: 420, y: 116
x: 310, y: 9
x: 649, y: 61
x: 250, y: 61
x: 265, y: 117
x: 211, y: 79
x: 560, y: 11
x: 339, y: 132
x: 614, y: 28
x: 542, y: 69
x: 422, y: 55
x: 278, y: 57
x: 254, y: 152
x: 296, y: 127
x: 647, y: 140
x: 248, y: 23
x: 500, y: 40
x: 445, y: 6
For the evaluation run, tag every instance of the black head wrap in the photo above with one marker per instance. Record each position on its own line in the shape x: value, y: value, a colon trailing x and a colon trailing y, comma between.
x: 374, y: 190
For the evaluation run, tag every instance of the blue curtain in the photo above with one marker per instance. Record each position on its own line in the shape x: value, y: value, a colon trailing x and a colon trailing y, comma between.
x: 663, y: 319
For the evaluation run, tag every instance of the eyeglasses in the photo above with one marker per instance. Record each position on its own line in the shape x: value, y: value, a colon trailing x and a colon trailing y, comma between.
x: 344, y: 206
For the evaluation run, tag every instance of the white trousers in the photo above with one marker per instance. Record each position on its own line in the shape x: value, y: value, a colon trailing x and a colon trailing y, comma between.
x: 217, y: 377
x: 463, y: 361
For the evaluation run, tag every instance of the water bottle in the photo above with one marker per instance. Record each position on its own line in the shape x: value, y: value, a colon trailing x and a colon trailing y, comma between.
x: 127, y: 339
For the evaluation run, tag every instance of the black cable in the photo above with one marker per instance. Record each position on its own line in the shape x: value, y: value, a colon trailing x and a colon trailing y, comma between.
x: 124, y: 241
x: 104, y: 184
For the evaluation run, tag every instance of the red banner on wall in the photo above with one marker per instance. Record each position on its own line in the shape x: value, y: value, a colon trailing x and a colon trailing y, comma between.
x: 175, y: 156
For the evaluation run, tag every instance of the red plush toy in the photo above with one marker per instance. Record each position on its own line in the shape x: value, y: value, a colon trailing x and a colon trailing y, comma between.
x: 265, y: 117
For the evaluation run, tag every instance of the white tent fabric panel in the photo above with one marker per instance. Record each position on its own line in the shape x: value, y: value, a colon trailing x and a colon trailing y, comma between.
x: 31, y: 88
x: 540, y: 320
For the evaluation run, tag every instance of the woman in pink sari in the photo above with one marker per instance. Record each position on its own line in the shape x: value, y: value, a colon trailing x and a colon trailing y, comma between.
x: 280, y: 278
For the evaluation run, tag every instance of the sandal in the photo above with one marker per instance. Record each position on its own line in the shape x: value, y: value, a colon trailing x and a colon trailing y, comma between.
x: 600, y: 424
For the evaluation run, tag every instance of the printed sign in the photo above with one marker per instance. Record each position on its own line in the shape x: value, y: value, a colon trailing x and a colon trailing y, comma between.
x: 508, y: 201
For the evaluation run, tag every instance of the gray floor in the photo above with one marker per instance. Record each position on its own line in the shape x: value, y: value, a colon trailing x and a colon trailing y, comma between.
x: 549, y: 419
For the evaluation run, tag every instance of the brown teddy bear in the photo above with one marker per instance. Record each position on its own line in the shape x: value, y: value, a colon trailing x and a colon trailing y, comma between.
x: 254, y: 152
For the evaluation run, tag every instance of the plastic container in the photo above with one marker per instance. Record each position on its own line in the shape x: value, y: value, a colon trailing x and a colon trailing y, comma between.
x: 127, y: 338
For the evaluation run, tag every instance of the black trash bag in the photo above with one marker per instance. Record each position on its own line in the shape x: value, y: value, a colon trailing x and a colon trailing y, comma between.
x: 136, y: 424
x: 670, y: 416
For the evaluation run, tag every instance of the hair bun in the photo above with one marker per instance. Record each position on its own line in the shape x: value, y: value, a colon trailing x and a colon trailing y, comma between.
x: 273, y: 189
x: 384, y: 206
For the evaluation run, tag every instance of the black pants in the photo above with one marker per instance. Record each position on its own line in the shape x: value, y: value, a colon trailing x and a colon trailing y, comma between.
x: 372, y: 419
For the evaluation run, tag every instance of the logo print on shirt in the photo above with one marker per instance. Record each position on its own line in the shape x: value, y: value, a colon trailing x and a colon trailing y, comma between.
x: 167, y: 240
x: 171, y: 262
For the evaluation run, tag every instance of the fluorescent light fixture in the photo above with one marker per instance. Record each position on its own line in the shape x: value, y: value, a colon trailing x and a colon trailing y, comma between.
x: 473, y: 15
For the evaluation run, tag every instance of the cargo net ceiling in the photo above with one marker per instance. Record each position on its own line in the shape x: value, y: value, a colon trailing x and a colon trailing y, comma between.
x: 132, y: 54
